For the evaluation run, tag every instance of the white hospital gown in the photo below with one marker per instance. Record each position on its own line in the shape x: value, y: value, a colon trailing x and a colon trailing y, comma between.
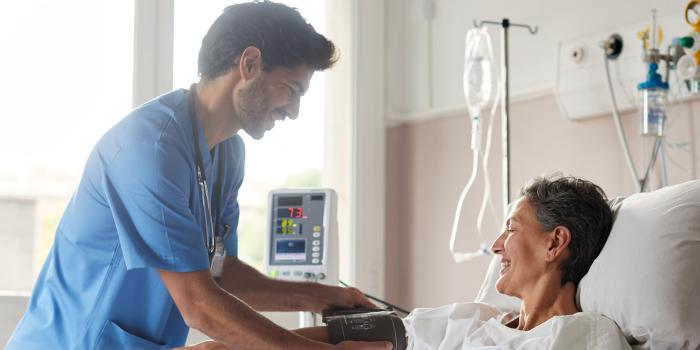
x: 470, y: 326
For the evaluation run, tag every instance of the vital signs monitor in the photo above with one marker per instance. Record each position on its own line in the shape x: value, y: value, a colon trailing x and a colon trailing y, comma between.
x: 302, y: 235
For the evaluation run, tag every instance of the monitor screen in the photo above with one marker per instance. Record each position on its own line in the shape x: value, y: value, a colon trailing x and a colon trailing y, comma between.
x: 297, y: 233
x: 290, y: 250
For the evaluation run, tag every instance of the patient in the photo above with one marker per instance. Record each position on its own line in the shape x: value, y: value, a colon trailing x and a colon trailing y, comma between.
x: 551, y: 236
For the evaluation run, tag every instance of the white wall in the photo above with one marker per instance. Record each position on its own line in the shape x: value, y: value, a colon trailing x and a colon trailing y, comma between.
x: 429, y: 163
x: 428, y: 159
x: 426, y: 53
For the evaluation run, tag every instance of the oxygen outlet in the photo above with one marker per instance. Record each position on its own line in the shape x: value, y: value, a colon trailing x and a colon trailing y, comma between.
x: 612, y: 46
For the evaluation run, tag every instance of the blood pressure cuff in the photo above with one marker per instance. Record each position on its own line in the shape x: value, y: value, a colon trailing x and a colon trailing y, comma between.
x: 370, y: 326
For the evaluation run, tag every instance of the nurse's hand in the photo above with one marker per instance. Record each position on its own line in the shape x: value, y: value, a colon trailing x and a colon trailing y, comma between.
x: 374, y: 345
x: 344, y: 298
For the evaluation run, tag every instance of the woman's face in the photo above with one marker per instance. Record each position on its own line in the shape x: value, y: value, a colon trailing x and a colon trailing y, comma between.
x: 522, y: 247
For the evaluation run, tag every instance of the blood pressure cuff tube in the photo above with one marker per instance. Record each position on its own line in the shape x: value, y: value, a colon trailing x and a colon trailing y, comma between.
x: 368, y: 327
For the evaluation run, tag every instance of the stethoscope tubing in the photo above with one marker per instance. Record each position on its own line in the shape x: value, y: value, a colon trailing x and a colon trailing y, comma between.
x: 209, y: 227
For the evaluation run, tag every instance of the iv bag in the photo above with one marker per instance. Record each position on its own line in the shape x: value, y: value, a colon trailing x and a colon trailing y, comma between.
x: 479, y: 79
x: 480, y: 89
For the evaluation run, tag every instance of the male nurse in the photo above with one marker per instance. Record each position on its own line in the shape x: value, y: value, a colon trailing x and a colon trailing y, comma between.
x: 147, y: 246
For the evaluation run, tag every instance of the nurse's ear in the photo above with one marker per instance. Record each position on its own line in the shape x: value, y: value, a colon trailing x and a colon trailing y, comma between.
x: 558, y: 244
x: 250, y: 63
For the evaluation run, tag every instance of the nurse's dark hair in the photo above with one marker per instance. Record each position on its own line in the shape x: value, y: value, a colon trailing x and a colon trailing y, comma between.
x: 579, y: 205
x: 283, y: 36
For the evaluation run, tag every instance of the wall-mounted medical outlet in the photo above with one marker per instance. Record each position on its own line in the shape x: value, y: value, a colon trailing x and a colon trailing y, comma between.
x: 577, y: 54
x: 580, y: 84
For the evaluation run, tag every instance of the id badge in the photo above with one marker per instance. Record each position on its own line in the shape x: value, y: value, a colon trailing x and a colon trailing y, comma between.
x: 217, y: 262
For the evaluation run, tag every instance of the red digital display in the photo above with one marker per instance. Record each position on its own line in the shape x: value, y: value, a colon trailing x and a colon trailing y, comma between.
x: 296, y: 212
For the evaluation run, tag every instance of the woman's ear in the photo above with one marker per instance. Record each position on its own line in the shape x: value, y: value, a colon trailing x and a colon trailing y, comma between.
x: 250, y: 63
x: 558, y: 244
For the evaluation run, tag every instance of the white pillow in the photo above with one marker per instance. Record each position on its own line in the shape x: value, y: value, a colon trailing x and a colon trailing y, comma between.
x: 647, y: 277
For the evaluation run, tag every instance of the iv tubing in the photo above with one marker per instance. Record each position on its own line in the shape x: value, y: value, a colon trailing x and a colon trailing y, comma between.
x: 664, y: 172
x: 459, y: 257
x: 620, y: 131
x: 483, y: 249
x: 487, y: 177
x: 654, y: 154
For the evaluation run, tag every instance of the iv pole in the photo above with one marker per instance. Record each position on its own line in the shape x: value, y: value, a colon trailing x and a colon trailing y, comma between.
x: 505, y: 103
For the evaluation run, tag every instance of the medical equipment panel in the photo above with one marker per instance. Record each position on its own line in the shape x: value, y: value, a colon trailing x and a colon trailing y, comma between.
x: 580, y: 85
x: 302, y: 238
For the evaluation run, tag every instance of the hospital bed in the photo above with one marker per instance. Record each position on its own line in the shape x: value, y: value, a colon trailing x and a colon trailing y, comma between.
x: 647, y: 277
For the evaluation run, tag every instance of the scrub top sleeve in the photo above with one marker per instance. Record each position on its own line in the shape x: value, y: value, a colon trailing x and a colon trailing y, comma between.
x: 147, y: 187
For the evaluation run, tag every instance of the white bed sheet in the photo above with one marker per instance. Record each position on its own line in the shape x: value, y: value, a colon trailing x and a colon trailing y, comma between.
x: 470, y: 326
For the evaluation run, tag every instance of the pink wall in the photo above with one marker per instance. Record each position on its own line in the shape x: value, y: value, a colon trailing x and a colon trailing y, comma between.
x: 429, y: 162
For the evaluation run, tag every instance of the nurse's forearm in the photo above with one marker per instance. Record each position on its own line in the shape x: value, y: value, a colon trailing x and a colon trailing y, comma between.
x: 315, y: 333
x: 265, y: 294
x: 233, y: 323
x: 225, y: 318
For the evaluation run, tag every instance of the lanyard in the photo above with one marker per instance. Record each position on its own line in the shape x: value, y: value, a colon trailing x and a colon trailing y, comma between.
x: 211, y: 239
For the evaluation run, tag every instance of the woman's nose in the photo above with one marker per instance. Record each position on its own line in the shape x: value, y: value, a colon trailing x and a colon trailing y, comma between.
x: 497, y: 246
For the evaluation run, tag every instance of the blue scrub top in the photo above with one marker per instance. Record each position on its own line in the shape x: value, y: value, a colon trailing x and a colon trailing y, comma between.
x: 137, y: 209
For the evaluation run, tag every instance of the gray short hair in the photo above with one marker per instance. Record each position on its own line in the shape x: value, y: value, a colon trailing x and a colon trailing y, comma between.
x: 579, y: 205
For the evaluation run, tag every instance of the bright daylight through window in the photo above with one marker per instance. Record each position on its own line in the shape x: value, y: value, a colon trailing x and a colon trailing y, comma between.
x: 68, y: 85
x: 67, y: 78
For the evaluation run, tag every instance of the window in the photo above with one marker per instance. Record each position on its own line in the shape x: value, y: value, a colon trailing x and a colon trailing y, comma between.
x: 66, y: 68
x: 278, y: 160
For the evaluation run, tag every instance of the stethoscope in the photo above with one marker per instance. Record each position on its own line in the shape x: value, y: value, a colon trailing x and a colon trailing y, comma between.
x: 214, y: 242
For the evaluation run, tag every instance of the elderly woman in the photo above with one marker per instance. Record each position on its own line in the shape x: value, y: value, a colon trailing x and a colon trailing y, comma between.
x: 552, y: 235
x: 554, y: 232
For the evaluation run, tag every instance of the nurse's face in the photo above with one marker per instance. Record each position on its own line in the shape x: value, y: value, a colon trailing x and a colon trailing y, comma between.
x: 522, y: 247
x: 269, y: 97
